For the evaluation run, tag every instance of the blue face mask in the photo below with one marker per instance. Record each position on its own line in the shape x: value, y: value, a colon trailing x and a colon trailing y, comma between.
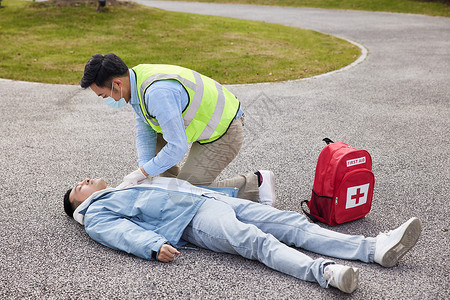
x: 111, y: 102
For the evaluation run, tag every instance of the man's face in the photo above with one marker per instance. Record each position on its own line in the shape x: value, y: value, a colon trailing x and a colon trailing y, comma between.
x: 105, y: 92
x: 84, y: 189
x: 117, y: 89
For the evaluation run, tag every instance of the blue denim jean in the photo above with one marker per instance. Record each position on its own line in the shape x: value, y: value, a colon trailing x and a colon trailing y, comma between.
x: 264, y: 233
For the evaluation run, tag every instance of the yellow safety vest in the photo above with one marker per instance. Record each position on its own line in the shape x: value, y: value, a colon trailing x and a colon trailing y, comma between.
x: 211, y: 107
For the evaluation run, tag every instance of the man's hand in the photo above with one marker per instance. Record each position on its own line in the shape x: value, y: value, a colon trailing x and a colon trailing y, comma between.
x: 167, y: 253
x: 133, y: 178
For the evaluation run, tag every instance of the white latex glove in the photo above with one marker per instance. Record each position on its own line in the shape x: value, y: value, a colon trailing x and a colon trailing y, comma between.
x: 132, y: 179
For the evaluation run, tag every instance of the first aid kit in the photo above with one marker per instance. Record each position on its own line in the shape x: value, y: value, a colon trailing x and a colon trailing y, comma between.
x: 343, y: 185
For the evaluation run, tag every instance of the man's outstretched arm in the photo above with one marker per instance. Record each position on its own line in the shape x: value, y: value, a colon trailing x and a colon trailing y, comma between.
x: 122, y: 234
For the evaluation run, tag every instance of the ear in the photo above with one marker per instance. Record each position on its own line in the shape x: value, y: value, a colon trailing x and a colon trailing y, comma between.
x: 117, y: 82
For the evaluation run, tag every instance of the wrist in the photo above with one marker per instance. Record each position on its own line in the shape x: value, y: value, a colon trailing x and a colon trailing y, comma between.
x: 143, y: 172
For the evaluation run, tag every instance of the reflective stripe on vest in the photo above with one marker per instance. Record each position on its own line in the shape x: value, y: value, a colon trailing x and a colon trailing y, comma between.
x: 196, y: 93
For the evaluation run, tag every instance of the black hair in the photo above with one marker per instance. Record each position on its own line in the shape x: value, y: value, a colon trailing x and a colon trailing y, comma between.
x: 100, y: 69
x: 67, y: 205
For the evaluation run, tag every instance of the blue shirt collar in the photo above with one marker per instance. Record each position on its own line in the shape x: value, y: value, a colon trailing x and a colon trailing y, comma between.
x: 134, y: 94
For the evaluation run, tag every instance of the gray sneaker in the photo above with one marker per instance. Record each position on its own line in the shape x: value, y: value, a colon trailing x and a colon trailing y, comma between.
x: 342, y: 277
x: 391, y: 246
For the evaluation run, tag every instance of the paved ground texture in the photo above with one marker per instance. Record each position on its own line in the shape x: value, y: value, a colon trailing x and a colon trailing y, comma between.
x: 395, y: 104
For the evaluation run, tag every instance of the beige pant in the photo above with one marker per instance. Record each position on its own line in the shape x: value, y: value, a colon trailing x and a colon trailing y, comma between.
x: 206, y: 161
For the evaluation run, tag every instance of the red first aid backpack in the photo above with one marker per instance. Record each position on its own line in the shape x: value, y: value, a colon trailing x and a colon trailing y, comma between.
x: 343, y: 185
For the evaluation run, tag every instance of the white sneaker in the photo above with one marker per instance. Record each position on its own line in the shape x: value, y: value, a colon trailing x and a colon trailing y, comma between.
x: 342, y: 277
x: 391, y: 246
x: 267, y: 194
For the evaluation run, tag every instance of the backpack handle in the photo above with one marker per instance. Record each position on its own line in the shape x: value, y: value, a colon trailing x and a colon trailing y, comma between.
x: 328, y: 141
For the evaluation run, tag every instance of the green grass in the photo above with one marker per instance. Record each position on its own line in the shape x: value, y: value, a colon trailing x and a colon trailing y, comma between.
x: 431, y: 8
x: 44, y: 43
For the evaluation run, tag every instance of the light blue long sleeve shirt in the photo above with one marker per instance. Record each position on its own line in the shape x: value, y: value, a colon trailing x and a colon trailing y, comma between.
x: 139, y: 220
x: 165, y: 100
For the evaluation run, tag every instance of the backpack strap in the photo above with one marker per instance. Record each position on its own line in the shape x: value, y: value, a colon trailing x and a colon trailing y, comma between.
x: 311, y: 217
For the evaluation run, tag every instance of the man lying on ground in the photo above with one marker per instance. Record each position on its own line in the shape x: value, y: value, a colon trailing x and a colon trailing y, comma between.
x: 154, y: 218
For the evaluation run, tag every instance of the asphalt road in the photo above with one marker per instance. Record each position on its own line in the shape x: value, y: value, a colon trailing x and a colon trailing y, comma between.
x: 394, y: 103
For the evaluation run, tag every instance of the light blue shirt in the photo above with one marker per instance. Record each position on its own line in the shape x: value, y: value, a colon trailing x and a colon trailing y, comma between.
x: 165, y: 100
x: 139, y: 220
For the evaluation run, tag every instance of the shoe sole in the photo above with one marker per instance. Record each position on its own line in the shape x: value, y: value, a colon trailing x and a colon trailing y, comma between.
x: 350, y: 280
x: 271, y: 182
x: 272, y: 188
x: 406, y: 242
